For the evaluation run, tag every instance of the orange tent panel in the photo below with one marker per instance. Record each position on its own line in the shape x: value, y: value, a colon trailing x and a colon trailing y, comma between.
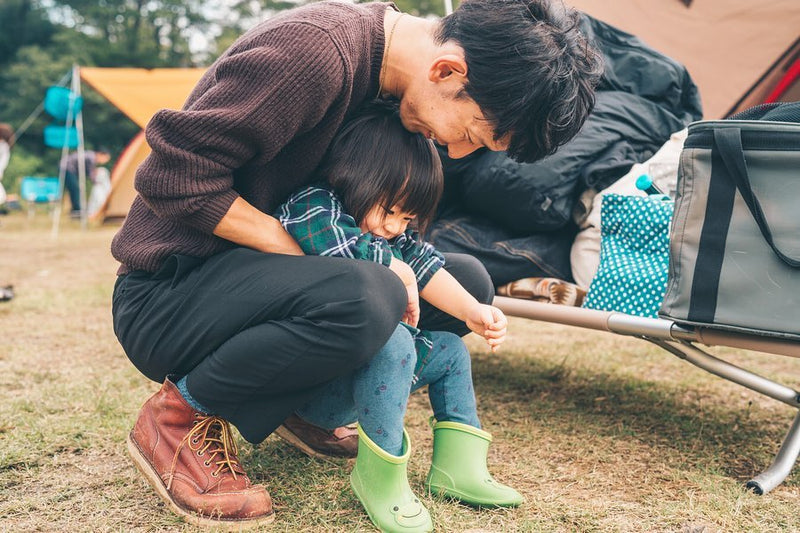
x: 729, y: 47
x: 140, y: 92
x: 122, y: 193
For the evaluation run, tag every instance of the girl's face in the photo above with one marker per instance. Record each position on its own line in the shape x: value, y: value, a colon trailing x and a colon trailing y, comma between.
x: 384, y: 222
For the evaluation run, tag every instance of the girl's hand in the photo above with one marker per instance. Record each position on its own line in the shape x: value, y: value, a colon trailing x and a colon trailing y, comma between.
x: 411, y: 316
x: 406, y: 275
x: 489, y: 322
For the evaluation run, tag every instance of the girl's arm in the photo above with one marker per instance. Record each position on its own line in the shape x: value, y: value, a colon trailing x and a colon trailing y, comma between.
x: 444, y: 292
x: 314, y: 218
x: 421, y: 256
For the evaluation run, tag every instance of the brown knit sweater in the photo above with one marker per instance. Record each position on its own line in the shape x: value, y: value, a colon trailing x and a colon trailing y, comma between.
x: 256, y: 126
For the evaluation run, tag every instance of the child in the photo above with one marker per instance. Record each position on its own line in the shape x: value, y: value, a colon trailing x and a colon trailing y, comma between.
x: 383, y: 181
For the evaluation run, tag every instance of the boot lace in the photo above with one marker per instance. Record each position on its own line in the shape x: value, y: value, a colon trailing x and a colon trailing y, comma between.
x: 211, y: 435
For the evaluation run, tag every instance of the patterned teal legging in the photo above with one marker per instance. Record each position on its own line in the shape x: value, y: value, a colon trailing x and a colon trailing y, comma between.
x: 377, y: 394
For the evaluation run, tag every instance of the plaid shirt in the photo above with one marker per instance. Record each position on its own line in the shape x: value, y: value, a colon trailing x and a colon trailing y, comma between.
x: 315, y: 218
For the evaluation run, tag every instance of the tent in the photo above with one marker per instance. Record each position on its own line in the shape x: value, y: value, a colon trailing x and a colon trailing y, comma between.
x: 122, y: 193
x: 739, y: 52
x: 139, y: 94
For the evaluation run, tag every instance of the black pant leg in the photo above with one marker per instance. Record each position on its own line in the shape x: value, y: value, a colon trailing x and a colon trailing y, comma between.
x: 74, y: 190
x: 256, y: 333
x: 473, y: 277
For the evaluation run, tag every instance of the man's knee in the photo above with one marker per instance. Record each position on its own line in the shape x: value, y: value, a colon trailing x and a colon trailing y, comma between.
x: 378, y: 302
x: 472, y: 275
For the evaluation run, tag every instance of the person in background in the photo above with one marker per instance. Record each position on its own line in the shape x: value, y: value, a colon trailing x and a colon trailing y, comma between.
x: 6, y: 140
x: 71, y: 166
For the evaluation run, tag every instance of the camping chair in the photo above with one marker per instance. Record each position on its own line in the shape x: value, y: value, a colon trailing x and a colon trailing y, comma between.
x: 681, y: 341
x: 40, y: 190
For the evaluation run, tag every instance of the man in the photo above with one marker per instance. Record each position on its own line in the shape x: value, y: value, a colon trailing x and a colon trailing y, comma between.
x: 213, y: 298
x: 71, y: 164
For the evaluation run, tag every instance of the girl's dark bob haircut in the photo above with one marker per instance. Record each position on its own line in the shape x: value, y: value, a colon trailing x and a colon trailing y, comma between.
x: 374, y: 160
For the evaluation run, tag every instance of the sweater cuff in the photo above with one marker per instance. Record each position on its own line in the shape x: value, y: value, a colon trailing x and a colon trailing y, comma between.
x: 207, y: 218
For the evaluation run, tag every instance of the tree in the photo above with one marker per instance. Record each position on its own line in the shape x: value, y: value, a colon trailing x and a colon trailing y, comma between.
x: 136, y: 33
x: 21, y: 24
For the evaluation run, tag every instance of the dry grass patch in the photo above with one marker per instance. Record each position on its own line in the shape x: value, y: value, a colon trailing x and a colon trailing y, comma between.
x: 599, y: 432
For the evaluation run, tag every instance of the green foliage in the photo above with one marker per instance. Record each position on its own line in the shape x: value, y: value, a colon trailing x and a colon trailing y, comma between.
x: 135, y: 33
x: 21, y: 164
x: 421, y: 7
x: 21, y: 24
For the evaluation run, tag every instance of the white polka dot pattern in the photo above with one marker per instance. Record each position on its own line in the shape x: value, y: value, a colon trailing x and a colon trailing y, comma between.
x: 634, y: 255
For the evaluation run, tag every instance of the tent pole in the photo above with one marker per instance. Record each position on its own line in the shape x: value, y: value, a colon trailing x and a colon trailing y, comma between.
x: 76, y: 89
x: 62, y: 171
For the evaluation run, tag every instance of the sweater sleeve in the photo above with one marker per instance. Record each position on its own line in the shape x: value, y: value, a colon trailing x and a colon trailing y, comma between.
x: 314, y: 218
x: 235, y: 117
x: 421, y: 256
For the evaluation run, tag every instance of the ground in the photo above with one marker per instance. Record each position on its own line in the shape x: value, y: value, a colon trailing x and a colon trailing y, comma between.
x: 599, y: 432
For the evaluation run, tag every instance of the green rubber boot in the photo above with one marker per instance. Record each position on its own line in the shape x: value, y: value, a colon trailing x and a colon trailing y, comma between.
x: 380, y: 482
x: 458, y: 469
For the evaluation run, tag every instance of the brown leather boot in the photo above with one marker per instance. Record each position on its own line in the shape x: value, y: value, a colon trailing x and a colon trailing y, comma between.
x: 318, y: 442
x: 190, y: 459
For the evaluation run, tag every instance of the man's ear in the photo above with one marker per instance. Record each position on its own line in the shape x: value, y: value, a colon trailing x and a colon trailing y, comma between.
x: 447, y: 66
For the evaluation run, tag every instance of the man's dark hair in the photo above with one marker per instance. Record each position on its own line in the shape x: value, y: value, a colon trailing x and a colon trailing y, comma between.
x: 374, y: 160
x: 529, y: 68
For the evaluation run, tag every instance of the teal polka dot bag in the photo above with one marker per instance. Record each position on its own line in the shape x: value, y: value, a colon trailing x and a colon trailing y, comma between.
x: 634, y: 255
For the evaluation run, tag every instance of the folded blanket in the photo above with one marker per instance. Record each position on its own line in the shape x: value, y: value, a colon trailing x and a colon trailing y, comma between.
x: 544, y: 289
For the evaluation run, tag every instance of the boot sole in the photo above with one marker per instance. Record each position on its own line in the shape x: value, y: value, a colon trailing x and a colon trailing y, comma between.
x: 468, y: 499
x: 147, y: 470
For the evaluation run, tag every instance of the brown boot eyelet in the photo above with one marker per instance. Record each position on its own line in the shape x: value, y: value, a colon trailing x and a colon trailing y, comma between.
x: 207, y: 463
x: 214, y: 474
x: 200, y: 453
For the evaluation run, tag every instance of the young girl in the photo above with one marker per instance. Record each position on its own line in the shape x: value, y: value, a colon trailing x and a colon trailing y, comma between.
x: 382, y: 182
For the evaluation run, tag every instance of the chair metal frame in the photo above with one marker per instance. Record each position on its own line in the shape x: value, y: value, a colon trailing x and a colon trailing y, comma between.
x: 680, y: 341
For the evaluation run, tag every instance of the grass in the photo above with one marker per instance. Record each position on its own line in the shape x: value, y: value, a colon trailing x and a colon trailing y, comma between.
x: 599, y: 432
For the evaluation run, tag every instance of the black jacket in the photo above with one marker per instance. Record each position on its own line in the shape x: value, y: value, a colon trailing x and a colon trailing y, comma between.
x: 517, y: 211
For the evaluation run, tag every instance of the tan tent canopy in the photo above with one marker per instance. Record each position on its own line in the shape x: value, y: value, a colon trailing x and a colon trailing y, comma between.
x: 140, y: 92
x: 735, y: 50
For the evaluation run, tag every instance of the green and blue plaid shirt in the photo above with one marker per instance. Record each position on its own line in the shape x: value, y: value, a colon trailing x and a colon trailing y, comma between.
x: 315, y: 218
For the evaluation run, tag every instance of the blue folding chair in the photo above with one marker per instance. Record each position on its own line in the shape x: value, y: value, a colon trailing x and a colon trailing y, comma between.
x: 39, y: 190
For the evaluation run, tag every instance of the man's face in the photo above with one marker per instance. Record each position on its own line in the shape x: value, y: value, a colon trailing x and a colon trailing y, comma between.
x: 454, y: 122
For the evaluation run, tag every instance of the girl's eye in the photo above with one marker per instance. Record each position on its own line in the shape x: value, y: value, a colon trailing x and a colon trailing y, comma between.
x: 388, y: 211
